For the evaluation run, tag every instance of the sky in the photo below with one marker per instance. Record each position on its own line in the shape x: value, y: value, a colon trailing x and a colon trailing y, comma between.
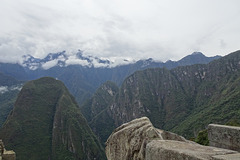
x: 118, y: 29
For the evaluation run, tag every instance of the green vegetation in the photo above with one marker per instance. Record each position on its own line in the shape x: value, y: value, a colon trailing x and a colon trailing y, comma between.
x: 103, y: 125
x: 101, y: 99
x: 183, y: 100
x: 202, y: 138
x: 95, y: 111
x: 6, y: 104
x: 233, y: 122
x: 47, y: 123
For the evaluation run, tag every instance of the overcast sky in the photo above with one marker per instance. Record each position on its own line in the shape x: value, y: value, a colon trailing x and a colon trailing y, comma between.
x: 160, y: 29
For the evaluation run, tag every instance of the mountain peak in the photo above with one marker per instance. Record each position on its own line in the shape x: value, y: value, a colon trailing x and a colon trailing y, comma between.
x: 46, y: 117
x: 64, y: 59
x: 197, y: 53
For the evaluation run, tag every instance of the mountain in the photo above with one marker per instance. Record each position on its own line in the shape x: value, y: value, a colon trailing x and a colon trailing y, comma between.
x: 183, y: 100
x: 195, y: 58
x: 61, y: 59
x: 84, y: 74
x: 46, y: 123
x: 102, y: 98
x: 9, y: 88
x: 14, y: 70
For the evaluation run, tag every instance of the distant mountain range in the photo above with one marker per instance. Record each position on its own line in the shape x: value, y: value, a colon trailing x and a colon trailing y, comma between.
x: 62, y: 59
x: 81, y: 74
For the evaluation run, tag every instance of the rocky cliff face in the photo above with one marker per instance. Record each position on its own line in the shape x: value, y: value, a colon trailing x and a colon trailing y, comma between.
x: 184, y: 99
x: 46, y: 123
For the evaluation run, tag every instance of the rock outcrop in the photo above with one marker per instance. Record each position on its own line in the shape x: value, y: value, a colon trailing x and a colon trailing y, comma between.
x: 223, y: 136
x: 6, y: 155
x: 140, y: 140
x: 176, y: 150
x: 130, y: 139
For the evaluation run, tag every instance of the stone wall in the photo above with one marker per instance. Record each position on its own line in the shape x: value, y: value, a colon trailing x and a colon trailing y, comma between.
x: 223, y: 136
x: 6, y: 155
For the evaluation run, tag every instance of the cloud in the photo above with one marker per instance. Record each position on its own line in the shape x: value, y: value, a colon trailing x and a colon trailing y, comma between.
x: 50, y: 64
x: 160, y: 29
x: 72, y: 60
x: 222, y: 43
x: 4, y: 89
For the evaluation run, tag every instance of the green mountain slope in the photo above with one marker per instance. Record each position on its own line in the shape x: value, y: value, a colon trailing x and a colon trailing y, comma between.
x: 100, y: 100
x: 104, y: 96
x: 46, y: 123
x: 9, y: 88
x: 184, y: 99
x: 218, y: 97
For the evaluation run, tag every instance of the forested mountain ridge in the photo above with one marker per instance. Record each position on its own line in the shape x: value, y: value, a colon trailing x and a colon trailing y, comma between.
x: 46, y: 123
x: 184, y: 99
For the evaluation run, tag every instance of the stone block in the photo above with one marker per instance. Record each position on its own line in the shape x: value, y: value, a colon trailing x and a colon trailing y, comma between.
x: 9, y: 155
x: 227, y: 157
x: 223, y: 136
x: 179, y: 150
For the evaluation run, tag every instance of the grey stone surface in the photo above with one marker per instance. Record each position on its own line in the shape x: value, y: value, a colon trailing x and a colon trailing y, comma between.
x: 129, y: 140
x: 223, y: 136
x: 139, y: 140
x: 227, y: 157
x: 178, y: 150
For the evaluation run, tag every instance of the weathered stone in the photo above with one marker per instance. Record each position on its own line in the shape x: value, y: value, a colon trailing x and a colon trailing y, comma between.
x: 139, y: 140
x: 179, y: 150
x: 223, y: 136
x: 1, y: 149
x: 129, y: 140
x: 9, y: 155
x: 227, y: 157
x: 6, y: 155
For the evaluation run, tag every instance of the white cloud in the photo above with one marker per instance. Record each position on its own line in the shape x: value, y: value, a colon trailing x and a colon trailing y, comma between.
x: 3, y: 89
x: 50, y: 64
x: 161, y: 29
x: 72, y: 60
x: 116, y: 61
